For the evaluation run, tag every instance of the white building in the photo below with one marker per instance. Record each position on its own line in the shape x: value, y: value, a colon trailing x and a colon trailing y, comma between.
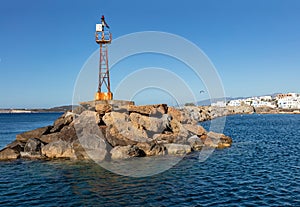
x: 234, y: 102
x: 285, y: 101
x: 288, y: 101
x: 219, y: 104
x: 266, y: 104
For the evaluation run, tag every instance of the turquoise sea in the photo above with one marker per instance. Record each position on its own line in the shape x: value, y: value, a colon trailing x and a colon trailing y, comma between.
x: 262, y: 168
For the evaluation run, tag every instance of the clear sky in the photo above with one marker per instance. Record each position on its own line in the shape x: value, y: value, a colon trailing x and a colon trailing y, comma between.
x: 254, y: 44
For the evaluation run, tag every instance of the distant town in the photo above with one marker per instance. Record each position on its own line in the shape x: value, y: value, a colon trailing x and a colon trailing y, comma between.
x: 281, y: 101
x: 288, y: 101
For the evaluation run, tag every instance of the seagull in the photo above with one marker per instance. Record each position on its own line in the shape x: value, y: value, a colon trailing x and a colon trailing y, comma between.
x: 104, y: 22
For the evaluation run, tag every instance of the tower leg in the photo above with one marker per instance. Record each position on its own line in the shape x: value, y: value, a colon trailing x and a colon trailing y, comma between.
x: 103, y: 75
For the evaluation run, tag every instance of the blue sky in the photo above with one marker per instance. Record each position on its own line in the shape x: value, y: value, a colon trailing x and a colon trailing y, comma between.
x: 253, y: 44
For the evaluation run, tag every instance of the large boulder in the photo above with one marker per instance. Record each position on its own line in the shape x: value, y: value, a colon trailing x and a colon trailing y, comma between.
x: 125, y: 152
x: 127, y: 135
x: 53, y: 137
x: 195, y: 129
x: 58, y: 149
x: 185, y: 115
x: 95, y: 147
x: 120, y: 152
x: 36, y: 133
x: 90, y: 142
x: 67, y: 133
x: 33, y: 145
x: 17, y: 145
x: 86, y: 123
x: 150, y: 110
x: 134, y: 151
x: 79, y: 151
x: 103, y: 108
x: 178, y: 149
x: 152, y: 149
x: 32, y: 148
x: 175, y: 113
x: 165, y: 138
x: 217, y: 140
x: 151, y: 123
x: 78, y: 110
x: 195, y: 142
x: 62, y: 121
x: 179, y: 130
x: 9, y: 154
x: 115, y: 119
x: 121, y: 131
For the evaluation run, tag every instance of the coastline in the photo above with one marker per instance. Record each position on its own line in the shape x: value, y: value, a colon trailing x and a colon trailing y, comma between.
x: 29, y: 112
x: 150, y: 130
x: 58, y: 109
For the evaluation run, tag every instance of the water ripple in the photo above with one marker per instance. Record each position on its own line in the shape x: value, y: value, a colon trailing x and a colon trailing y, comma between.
x: 260, y: 169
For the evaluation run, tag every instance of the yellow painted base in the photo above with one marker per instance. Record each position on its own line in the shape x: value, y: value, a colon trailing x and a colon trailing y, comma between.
x: 102, y: 96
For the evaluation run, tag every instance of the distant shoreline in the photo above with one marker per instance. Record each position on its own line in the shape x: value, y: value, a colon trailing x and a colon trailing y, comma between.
x: 59, y: 109
x: 30, y: 112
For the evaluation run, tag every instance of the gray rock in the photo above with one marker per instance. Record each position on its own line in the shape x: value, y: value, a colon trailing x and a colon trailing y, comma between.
x: 36, y: 133
x: 32, y: 148
x: 58, y: 149
x: 120, y: 152
x: 128, y: 135
x: 53, y: 137
x: 180, y: 131
x: 33, y: 145
x: 165, y: 138
x: 91, y: 140
x: 9, y: 154
x: 178, y: 149
x: 195, y: 129
x: 62, y: 121
x: 149, y: 123
x: 67, y: 133
x: 217, y: 140
x: 16, y: 145
x: 152, y: 149
x: 115, y: 119
x: 195, y: 142
x: 121, y: 131
x: 125, y: 152
x: 78, y: 110
x: 149, y: 110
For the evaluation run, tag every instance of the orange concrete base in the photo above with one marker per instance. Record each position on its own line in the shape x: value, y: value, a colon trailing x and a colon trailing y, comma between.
x: 103, y: 96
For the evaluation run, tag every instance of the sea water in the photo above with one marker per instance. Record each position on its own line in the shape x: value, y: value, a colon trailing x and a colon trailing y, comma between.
x: 261, y: 168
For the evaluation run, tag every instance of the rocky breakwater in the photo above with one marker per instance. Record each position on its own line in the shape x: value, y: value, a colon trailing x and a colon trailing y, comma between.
x: 106, y: 132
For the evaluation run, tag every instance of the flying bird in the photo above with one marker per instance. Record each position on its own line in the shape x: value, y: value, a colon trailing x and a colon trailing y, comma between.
x: 104, y: 22
x: 202, y: 91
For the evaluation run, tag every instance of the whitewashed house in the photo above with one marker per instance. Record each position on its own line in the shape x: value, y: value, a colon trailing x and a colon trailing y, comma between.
x: 219, y: 104
x: 234, y: 102
x: 288, y: 101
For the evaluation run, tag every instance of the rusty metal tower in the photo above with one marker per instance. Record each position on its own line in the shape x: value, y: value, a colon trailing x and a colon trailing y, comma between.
x: 103, y: 37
